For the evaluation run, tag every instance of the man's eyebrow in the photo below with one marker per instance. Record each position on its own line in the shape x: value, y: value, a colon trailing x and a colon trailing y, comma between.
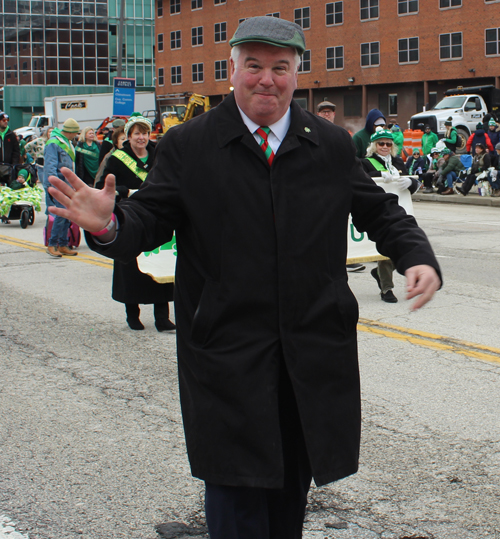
x: 252, y: 59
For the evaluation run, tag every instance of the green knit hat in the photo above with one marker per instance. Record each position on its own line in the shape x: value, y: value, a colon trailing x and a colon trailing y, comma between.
x: 446, y: 151
x: 381, y: 133
x: 24, y: 173
x: 136, y: 118
x: 416, y: 150
x: 479, y: 125
x: 71, y: 126
x: 492, y: 122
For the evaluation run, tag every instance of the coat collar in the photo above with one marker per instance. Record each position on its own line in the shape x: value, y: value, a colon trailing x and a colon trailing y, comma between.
x: 230, y: 126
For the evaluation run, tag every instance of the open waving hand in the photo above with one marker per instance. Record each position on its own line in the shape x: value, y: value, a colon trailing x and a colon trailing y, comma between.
x: 87, y: 207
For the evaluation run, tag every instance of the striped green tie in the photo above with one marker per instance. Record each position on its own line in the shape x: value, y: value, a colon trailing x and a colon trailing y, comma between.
x: 263, y: 133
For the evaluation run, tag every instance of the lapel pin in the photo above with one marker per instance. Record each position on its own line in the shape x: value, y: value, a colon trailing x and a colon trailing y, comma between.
x: 307, y: 130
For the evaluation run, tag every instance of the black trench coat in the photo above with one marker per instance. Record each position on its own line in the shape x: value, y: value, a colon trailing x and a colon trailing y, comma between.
x: 261, y: 274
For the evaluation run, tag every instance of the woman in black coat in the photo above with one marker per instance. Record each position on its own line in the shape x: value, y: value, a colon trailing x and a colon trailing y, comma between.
x: 382, y: 161
x: 130, y: 166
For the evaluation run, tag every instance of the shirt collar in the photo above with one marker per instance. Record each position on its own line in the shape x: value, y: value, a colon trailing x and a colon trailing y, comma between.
x: 279, y: 128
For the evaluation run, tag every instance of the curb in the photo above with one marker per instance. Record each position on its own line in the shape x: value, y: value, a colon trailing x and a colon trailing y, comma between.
x: 472, y: 199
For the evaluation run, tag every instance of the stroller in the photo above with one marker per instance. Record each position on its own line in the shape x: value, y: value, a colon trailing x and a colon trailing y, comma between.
x: 20, y: 203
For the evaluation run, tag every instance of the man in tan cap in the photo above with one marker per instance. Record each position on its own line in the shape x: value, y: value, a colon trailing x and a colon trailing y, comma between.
x: 266, y: 322
x: 59, y: 152
x: 327, y: 111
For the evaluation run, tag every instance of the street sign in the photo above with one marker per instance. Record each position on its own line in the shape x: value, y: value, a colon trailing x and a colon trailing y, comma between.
x: 123, y: 96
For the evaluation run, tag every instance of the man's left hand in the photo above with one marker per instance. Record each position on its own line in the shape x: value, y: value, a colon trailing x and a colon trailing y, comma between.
x: 422, y: 281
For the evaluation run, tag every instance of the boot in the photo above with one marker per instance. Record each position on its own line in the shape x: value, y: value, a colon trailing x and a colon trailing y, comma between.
x: 133, y: 312
x: 162, y: 321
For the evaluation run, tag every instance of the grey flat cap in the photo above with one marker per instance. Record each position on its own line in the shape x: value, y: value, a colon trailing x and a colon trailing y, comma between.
x: 270, y: 30
x: 326, y: 105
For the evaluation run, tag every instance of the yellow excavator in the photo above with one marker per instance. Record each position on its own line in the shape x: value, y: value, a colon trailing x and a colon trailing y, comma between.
x: 179, y: 114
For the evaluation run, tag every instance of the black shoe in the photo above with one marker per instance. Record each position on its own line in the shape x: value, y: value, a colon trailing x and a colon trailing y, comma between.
x: 374, y: 274
x: 165, y: 325
x: 388, y: 297
x: 355, y: 267
x: 134, y: 323
x: 461, y: 190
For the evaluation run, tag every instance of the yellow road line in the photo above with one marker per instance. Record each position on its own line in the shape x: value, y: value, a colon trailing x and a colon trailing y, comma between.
x: 430, y: 340
x: 420, y: 338
x: 86, y: 259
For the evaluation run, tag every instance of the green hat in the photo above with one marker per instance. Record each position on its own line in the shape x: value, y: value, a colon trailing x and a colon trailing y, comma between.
x: 492, y: 122
x: 449, y: 121
x: 381, y: 133
x: 479, y: 125
x: 136, y: 118
x: 446, y: 151
x: 70, y: 126
x: 24, y: 173
x: 270, y: 30
x: 416, y: 150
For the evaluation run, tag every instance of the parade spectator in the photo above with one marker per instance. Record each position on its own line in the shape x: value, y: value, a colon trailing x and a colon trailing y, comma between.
x: 451, y: 135
x: 9, y: 148
x: 22, y: 148
x: 432, y: 170
x: 36, y: 148
x: 415, y: 164
x: 494, y: 135
x: 107, y: 143
x: 451, y: 168
x: 118, y: 138
x: 87, y: 156
x: 21, y: 181
x: 480, y: 163
x: 429, y: 140
x: 327, y: 111
x: 495, y: 174
x: 399, y: 138
x: 361, y: 139
x: 59, y: 152
x: 130, y: 165
x: 382, y: 161
x: 267, y: 353
x: 479, y: 137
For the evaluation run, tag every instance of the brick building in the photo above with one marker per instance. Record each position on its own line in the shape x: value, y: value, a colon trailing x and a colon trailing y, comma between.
x: 395, y: 55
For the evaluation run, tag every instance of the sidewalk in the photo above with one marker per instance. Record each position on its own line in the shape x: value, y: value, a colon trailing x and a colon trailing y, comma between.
x: 472, y: 199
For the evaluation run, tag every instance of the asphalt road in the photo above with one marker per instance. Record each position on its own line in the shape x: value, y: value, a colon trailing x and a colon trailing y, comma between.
x: 91, y: 439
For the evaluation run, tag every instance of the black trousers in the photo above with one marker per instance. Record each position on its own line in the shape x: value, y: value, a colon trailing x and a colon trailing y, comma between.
x: 263, y: 513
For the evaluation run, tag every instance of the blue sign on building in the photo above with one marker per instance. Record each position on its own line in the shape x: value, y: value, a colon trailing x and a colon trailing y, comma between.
x: 123, y: 96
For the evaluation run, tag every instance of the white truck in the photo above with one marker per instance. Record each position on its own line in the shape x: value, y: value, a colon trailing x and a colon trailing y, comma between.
x: 466, y: 106
x: 86, y: 109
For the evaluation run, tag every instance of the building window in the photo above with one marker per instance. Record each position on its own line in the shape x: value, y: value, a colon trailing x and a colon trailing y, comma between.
x: 393, y: 104
x: 176, y: 74
x: 216, y: 2
x: 161, y: 76
x: 335, y: 58
x: 352, y: 105
x: 305, y: 65
x: 370, y: 54
x: 196, y: 4
x: 450, y: 46
x: 275, y: 14
x: 160, y: 42
x: 197, y: 71
x: 302, y: 17
x: 175, y: 6
x: 492, y: 42
x: 220, y: 32
x: 334, y: 13
x: 160, y: 8
x: 221, y: 70
x: 445, y: 4
x: 175, y: 39
x: 197, y: 36
x: 407, y: 6
x: 408, y: 50
x: 369, y: 9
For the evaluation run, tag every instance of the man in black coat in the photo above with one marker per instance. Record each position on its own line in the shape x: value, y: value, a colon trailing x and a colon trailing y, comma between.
x: 9, y: 146
x: 266, y: 322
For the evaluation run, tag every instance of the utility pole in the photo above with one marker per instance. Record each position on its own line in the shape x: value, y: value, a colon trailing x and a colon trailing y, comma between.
x: 120, y: 39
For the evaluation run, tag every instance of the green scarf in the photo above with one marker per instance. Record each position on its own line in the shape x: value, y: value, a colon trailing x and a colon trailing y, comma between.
x: 58, y: 138
x: 90, y: 157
